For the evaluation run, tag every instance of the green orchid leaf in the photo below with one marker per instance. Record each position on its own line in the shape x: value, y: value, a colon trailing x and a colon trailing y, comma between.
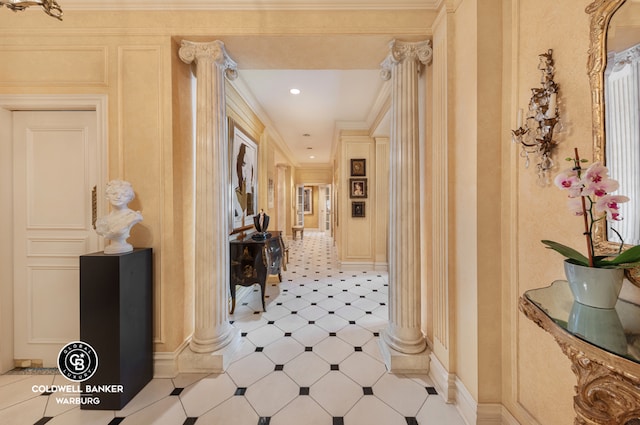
x: 631, y: 255
x: 567, y: 252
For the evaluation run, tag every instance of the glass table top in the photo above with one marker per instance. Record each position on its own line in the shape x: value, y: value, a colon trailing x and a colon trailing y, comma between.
x: 615, y: 330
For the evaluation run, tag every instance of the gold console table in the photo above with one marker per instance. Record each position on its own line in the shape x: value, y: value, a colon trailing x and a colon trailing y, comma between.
x: 603, y: 346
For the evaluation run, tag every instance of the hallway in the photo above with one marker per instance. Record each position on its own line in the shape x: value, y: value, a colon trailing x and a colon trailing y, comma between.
x: 311, y: 359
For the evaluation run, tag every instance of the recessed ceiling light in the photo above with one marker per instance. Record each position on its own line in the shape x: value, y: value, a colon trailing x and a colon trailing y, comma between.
x: 312, y: 156
x: 294, y: 91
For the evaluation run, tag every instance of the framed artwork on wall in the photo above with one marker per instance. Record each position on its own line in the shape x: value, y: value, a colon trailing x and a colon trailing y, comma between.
x: 357, y: 209
x: 358, y: 167
x: 358, y: 188
x: 308, y: 200
x: 243, y: 160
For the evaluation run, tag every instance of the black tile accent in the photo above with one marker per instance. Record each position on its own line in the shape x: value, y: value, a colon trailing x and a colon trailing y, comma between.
x: 304, y: 390
x: 347, y: 303
x: 329, y: 296
x: 308, y: 348
x: 335, y: 367
x: 271, y: 322
x: 358, y: 349
x: 332, y: 312
x: 287, y: 334
x: 256, y: 312
x: 411, y: 420
x: 190, y: 421
x: 240, y: 391
x: 315, y: 290
x: 333, y: 334
x: 312, y: 322
x: 376, y: 334
x: 431, y: 390
x: 314, y: 303
x: 278, y: 303
x: 299, y: 296
x: 279, y: 367
x: 259, y: 349
x: 383, y: 303
x: 47, y: 393
x: 245, y: 303
x: 243, y: 333
x: 345, y: 290
x: 44, y: 420
x: 114, y: 421
x: 352, y: 322
x: 264, y: 420
x: 176, y: 391
x: 367, y: 390
x: 231, y: 321
x: 362, y: 296
x: 294, y: 312
x: 338, y: 420
x: 368, y: 312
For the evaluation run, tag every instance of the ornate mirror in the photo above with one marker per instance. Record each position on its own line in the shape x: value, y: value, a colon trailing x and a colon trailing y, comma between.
x: 614, y: 75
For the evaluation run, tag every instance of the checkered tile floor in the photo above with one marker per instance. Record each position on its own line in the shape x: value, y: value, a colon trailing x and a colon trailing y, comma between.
x: 311, y: 359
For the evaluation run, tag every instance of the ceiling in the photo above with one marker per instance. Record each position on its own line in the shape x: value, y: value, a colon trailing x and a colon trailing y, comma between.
x: 339, y: 82
x: 338, y: 75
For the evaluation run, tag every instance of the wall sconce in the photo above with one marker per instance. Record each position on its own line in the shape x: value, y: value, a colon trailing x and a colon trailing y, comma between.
x: 535, y: 135
x: 50, y: 7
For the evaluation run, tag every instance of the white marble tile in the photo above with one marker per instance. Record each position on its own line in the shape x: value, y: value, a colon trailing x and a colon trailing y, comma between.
x: 370, y: 410
x: 306, y: 369
x: 283, y: 350
x: 355, y: 335
x: 183, y: 380
x: 404, y: 394
x: 337, y: 393
x: 23, y: 390
x: 77, y: 416
x: 291, y: 323
x: 206, y: 394
x: 234, y: 411
x: 154, y: 391
x: 332, y: 323
x: 436, y: 411
x: 310, y: 335
x: 249, y: 369
x: 272, y: 393
x: 301, y: 407
x: 25, y: 412
x: 333, y: 350
x: 167, y: 411
x: 265, y: 335
x: 363, y: 369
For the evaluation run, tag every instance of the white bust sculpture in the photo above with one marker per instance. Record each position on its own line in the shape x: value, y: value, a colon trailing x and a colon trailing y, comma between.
x: 117, y: 225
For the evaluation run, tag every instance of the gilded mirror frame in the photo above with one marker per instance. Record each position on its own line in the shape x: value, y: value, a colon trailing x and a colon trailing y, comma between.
x: 600, y: 12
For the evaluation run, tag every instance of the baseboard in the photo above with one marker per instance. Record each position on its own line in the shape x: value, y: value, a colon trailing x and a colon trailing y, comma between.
x: 165, y: 364
x: 467, y: 405
x: 444, y: 381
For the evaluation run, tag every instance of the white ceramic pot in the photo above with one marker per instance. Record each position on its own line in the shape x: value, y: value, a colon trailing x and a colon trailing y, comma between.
x: 594, y: 287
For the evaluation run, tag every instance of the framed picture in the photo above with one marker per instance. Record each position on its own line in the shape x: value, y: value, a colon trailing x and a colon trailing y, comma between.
x: 243, y: 153
x: 357, y: 209
x: 358, y: 167
x: 307, y: 200
x: 358, y: 188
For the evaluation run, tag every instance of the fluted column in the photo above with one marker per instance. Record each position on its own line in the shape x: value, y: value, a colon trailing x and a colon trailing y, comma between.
x: 403, y: 334
x: 212, y: 328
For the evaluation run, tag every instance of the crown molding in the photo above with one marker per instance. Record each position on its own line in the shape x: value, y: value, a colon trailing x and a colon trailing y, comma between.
x: 69, y: 5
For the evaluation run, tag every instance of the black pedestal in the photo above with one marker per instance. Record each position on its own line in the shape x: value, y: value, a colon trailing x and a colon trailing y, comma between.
x: 116, y: 320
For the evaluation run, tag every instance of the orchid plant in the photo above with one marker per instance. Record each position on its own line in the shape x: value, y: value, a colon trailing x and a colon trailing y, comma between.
x: 589, y: 193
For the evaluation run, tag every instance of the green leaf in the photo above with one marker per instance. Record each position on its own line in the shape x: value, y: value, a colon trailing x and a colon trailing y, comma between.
x: 567, y: 252
x: 631, y: 255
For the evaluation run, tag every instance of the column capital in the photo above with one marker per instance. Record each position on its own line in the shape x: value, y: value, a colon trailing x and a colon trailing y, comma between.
x: 402, y: 50
x: 212, y: 52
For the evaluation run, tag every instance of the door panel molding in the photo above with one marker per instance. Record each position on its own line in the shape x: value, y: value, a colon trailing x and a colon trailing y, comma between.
x: 34, y: 102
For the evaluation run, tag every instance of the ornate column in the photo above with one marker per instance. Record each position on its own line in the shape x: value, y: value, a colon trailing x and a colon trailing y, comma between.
x: 214, y: 338
x: 403, y: 344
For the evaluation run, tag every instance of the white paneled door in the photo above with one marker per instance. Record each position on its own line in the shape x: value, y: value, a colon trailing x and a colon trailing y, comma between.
x: 55, y: 163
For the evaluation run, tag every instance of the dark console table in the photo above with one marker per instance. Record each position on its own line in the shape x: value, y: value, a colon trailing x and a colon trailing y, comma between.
x: 116, y: 320
x: 252, y: 261
x: 603, y: 346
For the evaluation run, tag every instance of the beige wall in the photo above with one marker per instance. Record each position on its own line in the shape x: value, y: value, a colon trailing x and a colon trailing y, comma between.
x: 497, y: 211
